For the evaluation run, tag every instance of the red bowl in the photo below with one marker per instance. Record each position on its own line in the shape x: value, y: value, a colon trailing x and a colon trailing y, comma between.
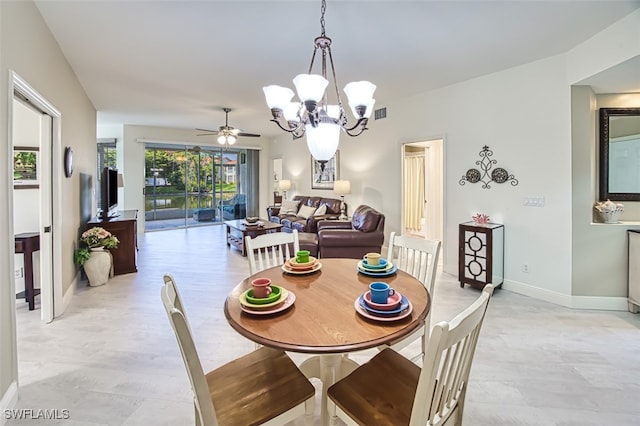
x: 392, y: 302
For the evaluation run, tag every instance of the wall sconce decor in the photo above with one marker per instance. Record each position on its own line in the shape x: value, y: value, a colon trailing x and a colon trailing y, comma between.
x: 487, y: 173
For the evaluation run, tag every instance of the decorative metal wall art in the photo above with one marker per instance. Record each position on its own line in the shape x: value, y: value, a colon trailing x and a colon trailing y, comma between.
x: 487, y: 173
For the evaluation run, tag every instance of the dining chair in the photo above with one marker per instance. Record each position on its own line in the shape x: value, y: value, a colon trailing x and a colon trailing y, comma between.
x: 262, y: 387
x: 419, y: 258
x: 392, y: 390
x: 272, y: 249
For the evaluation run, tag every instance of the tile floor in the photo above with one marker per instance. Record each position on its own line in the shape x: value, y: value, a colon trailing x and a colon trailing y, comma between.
x: 112, y: 359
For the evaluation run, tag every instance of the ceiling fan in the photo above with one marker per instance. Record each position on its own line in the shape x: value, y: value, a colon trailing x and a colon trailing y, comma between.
x: 227, y: 134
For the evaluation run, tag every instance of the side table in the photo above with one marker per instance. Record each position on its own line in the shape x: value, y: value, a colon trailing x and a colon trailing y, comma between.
x: 481, y: 254
x: 27, y: 243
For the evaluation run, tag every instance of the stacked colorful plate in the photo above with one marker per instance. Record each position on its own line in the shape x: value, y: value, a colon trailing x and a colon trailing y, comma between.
x: 383, y: 269
x: 397, y: 307
x: 279, y: 300
x: 292, y: 266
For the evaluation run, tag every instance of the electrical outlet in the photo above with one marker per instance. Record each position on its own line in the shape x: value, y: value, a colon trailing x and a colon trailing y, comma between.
x: 19, y: 273
x: 525, y: 268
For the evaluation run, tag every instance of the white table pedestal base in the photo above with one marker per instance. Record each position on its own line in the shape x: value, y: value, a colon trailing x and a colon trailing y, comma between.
x: 329, y: 368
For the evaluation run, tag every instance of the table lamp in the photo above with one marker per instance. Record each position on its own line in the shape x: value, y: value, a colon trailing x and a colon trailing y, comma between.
x: 342, y: 187
x: 284, y: 185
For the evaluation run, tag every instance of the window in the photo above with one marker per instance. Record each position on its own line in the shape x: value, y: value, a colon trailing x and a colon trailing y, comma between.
x: 106, y: 158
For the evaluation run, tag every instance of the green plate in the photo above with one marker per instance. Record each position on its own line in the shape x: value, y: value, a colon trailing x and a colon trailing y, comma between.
x: 275, y: 295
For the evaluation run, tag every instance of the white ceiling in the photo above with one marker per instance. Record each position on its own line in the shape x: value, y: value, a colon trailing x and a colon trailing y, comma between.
x: 176, y: 63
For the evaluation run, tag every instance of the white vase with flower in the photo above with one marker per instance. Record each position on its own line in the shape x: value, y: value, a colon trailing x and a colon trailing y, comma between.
x: 95, y: 258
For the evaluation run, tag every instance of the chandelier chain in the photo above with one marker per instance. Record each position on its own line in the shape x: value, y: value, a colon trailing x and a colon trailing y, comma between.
x: 323, y: 9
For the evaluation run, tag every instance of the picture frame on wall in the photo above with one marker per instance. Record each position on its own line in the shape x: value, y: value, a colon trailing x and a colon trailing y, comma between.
x: 26, y: 167
x: 324, y: 179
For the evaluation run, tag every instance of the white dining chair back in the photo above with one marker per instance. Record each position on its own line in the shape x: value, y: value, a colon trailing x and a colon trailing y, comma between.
x: 433, y: 395
x: 205, y: 412
x: 272, y: 249
x: 419, y: 258
x: 445, y: 375
x: 263, y: 387
x: 415, y: 256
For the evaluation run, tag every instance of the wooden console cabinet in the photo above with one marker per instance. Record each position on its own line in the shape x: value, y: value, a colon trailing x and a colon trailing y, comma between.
x: 481, y: 254
x: 125, y: 228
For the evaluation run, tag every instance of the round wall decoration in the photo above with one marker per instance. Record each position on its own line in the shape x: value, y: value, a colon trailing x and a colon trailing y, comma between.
x: 68, y: 161
x: 499, y: 175
x: 473, y: 175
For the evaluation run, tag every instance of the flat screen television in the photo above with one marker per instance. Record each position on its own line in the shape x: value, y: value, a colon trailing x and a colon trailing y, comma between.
x: 109, y: 192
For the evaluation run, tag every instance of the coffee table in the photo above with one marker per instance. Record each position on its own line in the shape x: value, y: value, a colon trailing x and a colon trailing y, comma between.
x: 238, y: 229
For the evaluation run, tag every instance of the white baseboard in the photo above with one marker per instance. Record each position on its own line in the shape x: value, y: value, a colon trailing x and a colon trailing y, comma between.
x: 605, y: 303
x: 66, y: 298
x: 573, y: 302
x: 600, y: 303
x: 8, y: 401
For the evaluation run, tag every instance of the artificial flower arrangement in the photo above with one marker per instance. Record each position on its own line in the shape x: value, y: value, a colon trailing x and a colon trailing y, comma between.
x: 480, y: 218
x: 95, y: 237
x: 609, y: 211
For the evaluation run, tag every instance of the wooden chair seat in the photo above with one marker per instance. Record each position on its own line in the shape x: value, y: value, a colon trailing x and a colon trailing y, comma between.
x: 257, y: 387
x: 381, y: 394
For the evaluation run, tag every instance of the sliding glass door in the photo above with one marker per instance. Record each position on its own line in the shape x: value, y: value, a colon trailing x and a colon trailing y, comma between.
x: 191, y: 186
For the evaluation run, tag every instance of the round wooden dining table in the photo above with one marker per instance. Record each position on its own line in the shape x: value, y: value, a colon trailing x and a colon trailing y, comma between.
x: 323, y: 320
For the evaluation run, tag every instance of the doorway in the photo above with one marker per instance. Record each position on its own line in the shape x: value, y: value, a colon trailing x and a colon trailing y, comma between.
x: 423, y: 189
x: 34, y: 124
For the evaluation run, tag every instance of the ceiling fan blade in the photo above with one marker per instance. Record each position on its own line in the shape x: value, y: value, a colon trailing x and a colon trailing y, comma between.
x: 249, y: 135
x: 209, y: 132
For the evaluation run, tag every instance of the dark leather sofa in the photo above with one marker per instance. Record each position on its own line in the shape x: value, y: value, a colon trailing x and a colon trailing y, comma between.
x: 291, y: 221
x: 363, y: 234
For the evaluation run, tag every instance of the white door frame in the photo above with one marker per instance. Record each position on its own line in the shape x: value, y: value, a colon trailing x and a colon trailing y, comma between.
x: 51, y: 289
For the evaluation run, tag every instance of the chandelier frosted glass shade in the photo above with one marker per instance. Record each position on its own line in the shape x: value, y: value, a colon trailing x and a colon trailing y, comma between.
x: 310, y: 87
x: 323, y: 140
x: 277, y: 97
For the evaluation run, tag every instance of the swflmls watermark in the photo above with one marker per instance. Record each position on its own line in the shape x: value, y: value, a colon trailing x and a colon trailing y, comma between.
x: 37, y: 414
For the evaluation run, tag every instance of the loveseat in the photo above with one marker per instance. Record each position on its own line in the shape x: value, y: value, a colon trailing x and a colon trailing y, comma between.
x: 234, y: 208
x: 352, y: 239
x: 303, y: 213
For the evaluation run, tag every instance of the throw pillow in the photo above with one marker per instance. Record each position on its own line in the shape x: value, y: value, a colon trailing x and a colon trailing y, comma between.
x: 321, y: 210
x: 306, y: 211
x: 289, y: 207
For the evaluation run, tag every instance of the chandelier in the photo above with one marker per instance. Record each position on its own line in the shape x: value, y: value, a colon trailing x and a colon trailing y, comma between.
x: 313, y: 116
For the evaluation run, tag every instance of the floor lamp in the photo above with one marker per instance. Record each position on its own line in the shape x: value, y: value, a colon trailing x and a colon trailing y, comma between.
x: 342, y: 187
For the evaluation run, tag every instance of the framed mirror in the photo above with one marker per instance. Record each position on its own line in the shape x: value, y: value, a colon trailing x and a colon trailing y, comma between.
x: 620, y: 154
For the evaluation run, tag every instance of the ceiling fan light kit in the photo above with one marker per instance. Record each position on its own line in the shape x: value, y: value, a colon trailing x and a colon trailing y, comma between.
x: 227, y: 135
x: 313, y: 115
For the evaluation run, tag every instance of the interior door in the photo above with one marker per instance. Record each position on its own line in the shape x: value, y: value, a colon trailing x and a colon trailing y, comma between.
x: 46, y: 221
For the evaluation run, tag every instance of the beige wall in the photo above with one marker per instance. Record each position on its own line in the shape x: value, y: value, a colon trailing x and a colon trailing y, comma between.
x: 28, y: 48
